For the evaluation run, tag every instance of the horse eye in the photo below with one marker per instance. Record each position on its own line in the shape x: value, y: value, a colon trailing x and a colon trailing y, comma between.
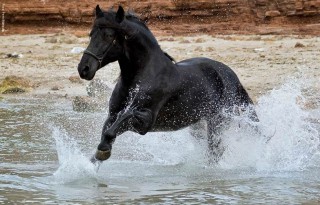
x: 108, y: 35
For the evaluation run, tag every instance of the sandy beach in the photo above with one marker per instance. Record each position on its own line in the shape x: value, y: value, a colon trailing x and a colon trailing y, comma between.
x: 261, y: 62
x: 46, y: 143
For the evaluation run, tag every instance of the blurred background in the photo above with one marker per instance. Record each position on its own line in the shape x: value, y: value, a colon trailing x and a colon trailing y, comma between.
x: 168, y: 16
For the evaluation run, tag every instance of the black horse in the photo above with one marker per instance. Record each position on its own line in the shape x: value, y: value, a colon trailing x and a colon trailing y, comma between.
x: 153, y: 93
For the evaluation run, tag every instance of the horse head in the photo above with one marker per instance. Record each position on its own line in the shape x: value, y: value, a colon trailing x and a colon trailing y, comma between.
x: 106, y: 42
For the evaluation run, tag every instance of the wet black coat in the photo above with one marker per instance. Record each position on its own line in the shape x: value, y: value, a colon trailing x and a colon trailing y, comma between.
x: 153, y: 93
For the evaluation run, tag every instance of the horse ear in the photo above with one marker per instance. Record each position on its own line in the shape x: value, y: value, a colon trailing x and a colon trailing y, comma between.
x: 120, y: 14
x: 99, y: 12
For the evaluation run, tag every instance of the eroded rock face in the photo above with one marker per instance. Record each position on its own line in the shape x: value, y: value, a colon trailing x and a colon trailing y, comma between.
x: 178, y: 16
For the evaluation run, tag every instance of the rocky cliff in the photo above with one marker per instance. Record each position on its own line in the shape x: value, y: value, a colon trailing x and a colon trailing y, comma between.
x: 171, y: 16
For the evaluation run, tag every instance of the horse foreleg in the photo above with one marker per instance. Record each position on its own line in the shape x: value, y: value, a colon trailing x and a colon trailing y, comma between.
x: 141, y: 122
x: 109, y: 133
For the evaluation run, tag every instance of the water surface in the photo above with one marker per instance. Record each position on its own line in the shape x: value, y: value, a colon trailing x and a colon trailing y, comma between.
x: 45, y: 147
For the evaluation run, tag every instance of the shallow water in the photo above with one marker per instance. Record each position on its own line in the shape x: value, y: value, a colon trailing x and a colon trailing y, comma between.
x: 45, y: 149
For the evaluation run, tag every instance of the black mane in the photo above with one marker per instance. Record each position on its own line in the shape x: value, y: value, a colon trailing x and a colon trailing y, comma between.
x: 132, y: 17
x: 135, y: 18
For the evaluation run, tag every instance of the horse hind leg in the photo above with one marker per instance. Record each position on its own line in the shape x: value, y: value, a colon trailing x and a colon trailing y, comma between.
x: 215, y: 145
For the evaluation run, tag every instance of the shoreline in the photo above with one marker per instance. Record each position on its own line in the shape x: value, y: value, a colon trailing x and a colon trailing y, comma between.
x: 262, y: 62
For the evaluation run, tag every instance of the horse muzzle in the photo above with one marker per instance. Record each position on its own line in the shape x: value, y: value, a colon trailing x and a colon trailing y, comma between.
x: 87, y: 68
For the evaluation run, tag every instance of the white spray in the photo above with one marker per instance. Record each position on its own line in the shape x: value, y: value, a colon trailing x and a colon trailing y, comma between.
x: 294, y: 144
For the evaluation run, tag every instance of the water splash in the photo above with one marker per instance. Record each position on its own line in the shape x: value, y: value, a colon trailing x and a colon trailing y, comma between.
x: 161, y: 148
x: 295, y: 141
x: 73, y: 164
x: 285, y: 139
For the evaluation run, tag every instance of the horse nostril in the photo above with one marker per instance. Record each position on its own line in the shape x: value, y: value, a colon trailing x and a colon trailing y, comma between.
x: 85, y: 70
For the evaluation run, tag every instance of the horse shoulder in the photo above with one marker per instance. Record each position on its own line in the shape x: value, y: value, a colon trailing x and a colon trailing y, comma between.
x: 118, y: 98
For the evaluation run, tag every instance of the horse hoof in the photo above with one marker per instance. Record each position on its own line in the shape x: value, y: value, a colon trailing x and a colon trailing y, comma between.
x: 102, y: 155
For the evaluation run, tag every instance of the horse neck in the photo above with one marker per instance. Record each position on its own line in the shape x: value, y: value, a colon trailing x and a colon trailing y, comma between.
x: 127, y: 71
x: 137, y: 55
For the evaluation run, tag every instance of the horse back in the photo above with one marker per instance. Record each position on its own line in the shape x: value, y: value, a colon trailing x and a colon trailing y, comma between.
x: 216, y: 76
